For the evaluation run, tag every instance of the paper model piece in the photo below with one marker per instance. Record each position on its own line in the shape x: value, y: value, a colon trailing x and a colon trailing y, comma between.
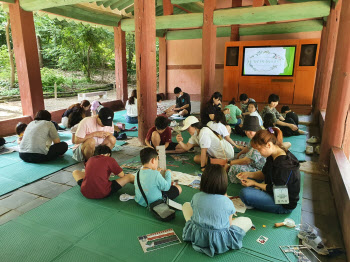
x: 195, y: 184
x: 162, y: 157
x: 239, y: 205
x: 180, y: 157
x: 158, y: 240
x: 132, y: 165
x: 302, y: 253
x: 240, y: 143
x: 183, y: 178
x: 5, y: 150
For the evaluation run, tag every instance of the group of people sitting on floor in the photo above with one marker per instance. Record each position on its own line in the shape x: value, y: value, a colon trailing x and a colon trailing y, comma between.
x: 264, y: 167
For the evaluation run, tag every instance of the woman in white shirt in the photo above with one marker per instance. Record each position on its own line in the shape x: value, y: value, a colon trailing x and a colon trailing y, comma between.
x: 131, y: 108
x: 208, y: 141
x: 219, y: 125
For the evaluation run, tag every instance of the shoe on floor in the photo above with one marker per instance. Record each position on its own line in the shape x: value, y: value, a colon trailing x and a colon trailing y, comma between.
x: 313, y: 140
x: 309, y: 150
x: 317, y: 149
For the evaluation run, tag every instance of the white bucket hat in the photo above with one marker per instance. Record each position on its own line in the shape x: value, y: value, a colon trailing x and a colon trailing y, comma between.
x: 189, y: 121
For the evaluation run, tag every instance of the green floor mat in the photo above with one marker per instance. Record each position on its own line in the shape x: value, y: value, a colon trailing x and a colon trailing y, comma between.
x: 24, y: 243
x: 81, y: 254
x: 84, y: 229
x: 234, y: 255
x: 20, y: 173
x: 119, y: 117
x: 16, y: 173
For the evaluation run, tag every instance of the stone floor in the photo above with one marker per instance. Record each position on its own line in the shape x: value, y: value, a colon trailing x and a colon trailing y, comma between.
x: 318, y: 206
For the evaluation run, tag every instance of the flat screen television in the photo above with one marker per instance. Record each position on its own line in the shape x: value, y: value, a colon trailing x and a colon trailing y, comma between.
x: 268, y: 61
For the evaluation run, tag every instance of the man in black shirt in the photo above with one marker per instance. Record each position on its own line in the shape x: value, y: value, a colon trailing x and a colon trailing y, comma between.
x: 183, y: 102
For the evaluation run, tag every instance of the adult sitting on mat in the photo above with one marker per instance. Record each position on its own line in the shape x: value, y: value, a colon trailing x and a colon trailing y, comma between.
x: 288, y: 126
x: 34, y: 148
x: 279, y: 193
x: 131, y: 108
x: 183, y: 102
x: 93, y: 131
x: 83, y: 107
x: 211, y: 108
x: 210, y: 143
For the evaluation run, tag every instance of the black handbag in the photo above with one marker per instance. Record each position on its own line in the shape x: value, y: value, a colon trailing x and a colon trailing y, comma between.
x: 158, y: 208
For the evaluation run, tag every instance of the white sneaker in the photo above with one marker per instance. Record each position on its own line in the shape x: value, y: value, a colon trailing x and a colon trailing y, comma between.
x: 313, y: 140
x: 309, y: 150
x: 317, y: 149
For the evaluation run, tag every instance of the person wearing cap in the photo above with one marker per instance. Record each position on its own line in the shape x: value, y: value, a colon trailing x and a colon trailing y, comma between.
x: 210, y: 143
x: 93, y: 131
x: 249, y: 159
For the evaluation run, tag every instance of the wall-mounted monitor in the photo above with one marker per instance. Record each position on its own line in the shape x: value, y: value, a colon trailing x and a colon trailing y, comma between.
x: 268, y: 61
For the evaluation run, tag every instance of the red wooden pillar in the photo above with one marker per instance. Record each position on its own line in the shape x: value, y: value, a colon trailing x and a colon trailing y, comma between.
x: 27, y: 60
x: 235, y: 28
x: 162, y: 65
x: 146, y: 71
x: 120, y: 64
x: 208, y: 52
x: 328, y: 45
x: 168, y: 9
x: 337, y: 113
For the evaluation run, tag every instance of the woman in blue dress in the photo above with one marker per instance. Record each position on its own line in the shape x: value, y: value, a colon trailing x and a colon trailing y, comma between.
x: 209, y: 224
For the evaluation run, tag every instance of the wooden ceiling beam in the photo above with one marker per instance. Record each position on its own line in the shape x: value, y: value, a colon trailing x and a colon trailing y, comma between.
x: 121, y: 4
x: 85, y: 15
x: 278, y: 28
x: 245, y: 15
x: 273, y: 13
x: 183, y: 9
x: 36, y: 5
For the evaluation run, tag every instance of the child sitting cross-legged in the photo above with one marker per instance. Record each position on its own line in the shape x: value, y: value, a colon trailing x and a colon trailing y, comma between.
x: 160, y: 135
x: 209, y: 224
x: 152, y: 182
x: 94, y: 182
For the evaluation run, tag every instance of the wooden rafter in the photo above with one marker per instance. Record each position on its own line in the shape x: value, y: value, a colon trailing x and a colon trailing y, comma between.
x: 267, y: 29
x: 36, y: 5
x: 85, y: 14
x: 245, y: 15
x: 180, y: 7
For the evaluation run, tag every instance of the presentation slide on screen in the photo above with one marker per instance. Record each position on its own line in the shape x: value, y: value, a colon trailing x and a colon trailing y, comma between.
x: 269, y: 61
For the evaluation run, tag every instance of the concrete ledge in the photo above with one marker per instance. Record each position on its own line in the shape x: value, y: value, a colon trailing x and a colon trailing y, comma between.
x: 340, y: 182
x: 7, y: 127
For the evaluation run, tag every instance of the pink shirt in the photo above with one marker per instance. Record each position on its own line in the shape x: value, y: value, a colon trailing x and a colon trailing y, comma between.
x: 89, y: 125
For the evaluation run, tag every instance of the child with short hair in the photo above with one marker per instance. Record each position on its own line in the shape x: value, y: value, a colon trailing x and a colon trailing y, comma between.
x: 160, y: 135
x: 20, y: 128
x: 281, y: 169
x: 244, y: 103
x: 152, y: 182
x: 94, y: 181
x: 209, y: 224
x: 252, y: 109
x: 233, y: 113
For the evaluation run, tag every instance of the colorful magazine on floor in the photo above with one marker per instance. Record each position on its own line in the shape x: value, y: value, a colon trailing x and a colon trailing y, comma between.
x: 158, y: 240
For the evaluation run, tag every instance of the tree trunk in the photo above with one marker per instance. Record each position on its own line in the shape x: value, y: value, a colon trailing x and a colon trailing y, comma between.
x: 41, y: 60
x: 12, y: 64
x: 88, y: 63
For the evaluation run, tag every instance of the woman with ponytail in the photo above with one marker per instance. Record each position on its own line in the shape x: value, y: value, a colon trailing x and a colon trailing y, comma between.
x: 279, y: 193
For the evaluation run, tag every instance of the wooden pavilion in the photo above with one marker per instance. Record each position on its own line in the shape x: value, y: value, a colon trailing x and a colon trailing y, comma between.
x: 210, y: 23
